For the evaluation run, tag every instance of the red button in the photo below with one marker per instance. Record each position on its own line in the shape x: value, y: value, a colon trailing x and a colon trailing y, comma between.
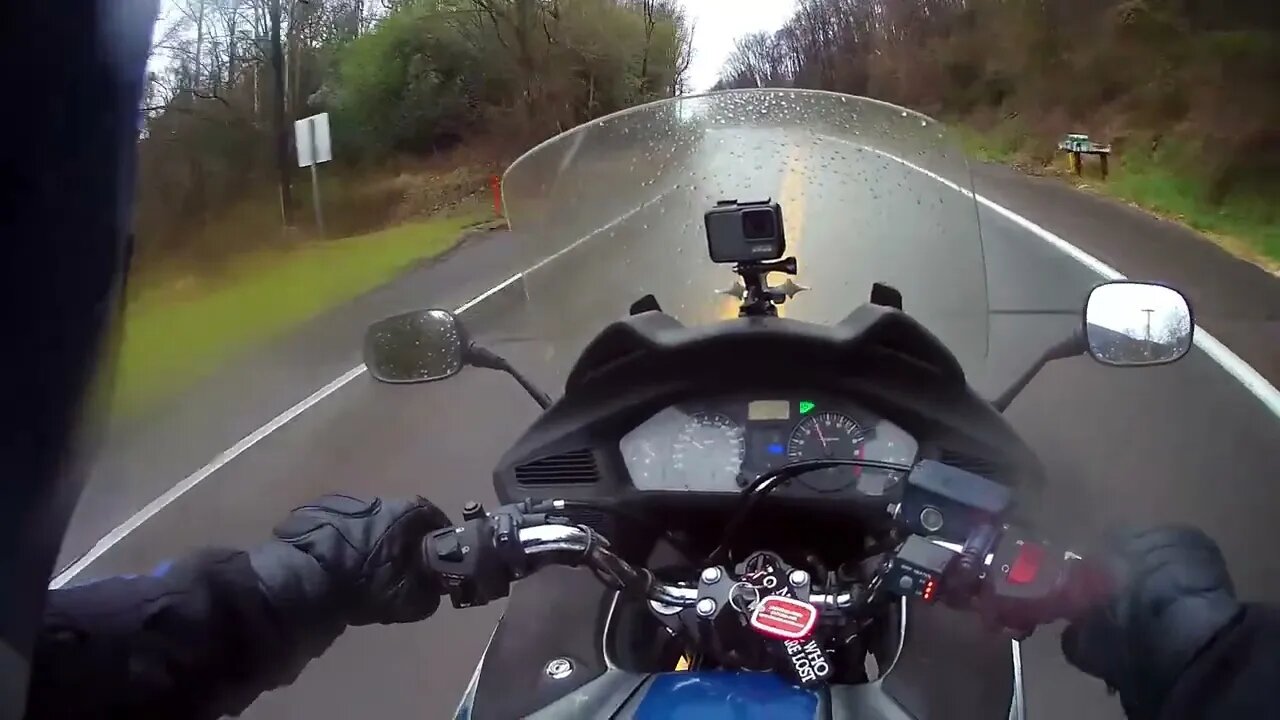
x: 1027, y: 564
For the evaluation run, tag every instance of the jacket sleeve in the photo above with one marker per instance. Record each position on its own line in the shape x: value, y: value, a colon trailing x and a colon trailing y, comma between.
x: 199, y: 640
x: 1236, y: 676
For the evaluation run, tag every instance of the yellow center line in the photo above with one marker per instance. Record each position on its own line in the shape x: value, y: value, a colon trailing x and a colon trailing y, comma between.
x: 791, y: 195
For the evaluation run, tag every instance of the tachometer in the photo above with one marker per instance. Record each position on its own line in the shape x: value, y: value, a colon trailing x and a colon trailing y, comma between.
x: 708, y: 451
x: 827, y: 435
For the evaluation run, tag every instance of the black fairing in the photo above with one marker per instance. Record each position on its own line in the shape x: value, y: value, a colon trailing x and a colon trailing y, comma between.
x: 881, y: 356
x: 558, y: 612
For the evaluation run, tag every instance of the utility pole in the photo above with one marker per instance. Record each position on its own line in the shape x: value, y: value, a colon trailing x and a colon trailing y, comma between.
x: 277, y: 117
x: 1148, y: 343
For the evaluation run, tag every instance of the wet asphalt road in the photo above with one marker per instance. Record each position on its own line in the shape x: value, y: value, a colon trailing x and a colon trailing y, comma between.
x: 1184, y: 442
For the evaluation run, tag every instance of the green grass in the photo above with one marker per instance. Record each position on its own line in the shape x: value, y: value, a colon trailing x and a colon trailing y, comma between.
x: 999, y: 145
x: 1246, y: 223
x: 178, y: 331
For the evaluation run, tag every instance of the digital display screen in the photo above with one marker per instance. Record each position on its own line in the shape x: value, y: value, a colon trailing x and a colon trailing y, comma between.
x: 769, y: 410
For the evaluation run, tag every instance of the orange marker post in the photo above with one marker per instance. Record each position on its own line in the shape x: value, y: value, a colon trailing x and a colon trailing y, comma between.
x: 495, y: 183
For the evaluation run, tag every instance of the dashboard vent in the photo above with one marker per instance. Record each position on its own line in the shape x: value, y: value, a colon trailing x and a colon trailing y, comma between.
x: 570, y: 468
x: 975, y: 465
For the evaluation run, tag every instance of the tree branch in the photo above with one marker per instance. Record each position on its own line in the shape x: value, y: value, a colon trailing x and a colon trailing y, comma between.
x: 208, y: 96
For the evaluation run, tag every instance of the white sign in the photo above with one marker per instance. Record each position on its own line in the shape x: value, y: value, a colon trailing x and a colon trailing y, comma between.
x: 311, y: 135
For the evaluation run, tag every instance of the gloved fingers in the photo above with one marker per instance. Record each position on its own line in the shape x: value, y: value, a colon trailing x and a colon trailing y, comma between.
x: 1094, y: 645
x: 371, y: 553
x: 403, y: 598
x: 409, y: 522
x: 438, y: 518
x: 308, y: 518
x: 1159, y: 562
x: 396, y: 586
x: 1142, y: 547
x: 1163, y: 566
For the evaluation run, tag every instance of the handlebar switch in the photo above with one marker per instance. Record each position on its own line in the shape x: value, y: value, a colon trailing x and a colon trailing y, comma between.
x: 1023, y: 583
x: 916, y: 570
x: 472, y: 510
x: 469, y: 562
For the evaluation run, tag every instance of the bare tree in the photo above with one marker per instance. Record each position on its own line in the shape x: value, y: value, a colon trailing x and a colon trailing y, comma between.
x: 279, y: 130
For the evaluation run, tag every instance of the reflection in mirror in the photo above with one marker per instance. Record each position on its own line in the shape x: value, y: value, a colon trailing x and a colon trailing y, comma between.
x: 1130, y: 323
x: 419, y: 346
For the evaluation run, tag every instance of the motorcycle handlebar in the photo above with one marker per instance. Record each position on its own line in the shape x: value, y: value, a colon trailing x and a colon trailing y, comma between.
x: 478, y: 560
x: 548, y: 541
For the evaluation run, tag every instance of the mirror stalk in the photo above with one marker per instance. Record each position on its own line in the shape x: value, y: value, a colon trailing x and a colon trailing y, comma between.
x: 482, y: 357
x: 1070, y: 347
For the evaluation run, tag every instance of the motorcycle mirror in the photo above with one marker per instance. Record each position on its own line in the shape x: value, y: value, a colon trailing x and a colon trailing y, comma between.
x: 1136, y: 324
x: 415, y: 347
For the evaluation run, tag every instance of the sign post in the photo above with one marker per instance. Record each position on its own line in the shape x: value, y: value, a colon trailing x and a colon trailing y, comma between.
x: 311, y: 135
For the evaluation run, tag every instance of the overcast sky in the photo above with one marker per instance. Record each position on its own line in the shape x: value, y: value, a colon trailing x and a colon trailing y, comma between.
x: 719, y: 23
x: 1120, y: 307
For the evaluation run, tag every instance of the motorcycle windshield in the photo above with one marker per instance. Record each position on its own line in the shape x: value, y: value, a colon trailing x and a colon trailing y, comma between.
x: 870, y: 192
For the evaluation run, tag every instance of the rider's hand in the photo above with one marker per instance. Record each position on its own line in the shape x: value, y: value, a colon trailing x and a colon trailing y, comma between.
x: 1172, y: 595
x: 371, y: 556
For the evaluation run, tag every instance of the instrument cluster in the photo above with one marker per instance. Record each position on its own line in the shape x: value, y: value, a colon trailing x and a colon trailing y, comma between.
x: 721, y: 445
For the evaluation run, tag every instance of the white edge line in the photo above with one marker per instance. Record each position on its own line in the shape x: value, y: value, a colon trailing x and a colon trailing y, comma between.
x: 108, y: 541
x: 1242, y: 371
x: 1018, y: 703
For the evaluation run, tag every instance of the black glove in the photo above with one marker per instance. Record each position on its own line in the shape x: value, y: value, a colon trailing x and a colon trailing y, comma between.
x: 370, y: 554
x: 1172, y: 595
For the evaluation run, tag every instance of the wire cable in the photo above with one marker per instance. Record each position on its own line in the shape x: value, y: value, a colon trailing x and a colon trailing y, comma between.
x: 753, y: 493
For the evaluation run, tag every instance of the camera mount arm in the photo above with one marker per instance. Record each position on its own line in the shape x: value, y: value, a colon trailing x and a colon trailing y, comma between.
x: 759, y: 299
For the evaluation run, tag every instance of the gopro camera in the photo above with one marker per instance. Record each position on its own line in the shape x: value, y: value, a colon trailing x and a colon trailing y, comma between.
x: 745, y: 232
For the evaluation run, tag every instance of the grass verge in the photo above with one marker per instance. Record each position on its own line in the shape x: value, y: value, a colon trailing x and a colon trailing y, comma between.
x: 181, y: 330
x: 1246, y: 224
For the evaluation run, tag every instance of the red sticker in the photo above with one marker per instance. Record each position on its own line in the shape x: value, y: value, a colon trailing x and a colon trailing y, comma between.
x: 784, y: 618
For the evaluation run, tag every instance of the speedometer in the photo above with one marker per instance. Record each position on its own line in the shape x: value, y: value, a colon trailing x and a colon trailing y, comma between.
x: 822, y: 436
x: 708, y: 451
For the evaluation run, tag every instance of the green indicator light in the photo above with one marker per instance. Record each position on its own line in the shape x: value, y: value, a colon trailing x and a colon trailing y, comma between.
x: 806, y: 407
